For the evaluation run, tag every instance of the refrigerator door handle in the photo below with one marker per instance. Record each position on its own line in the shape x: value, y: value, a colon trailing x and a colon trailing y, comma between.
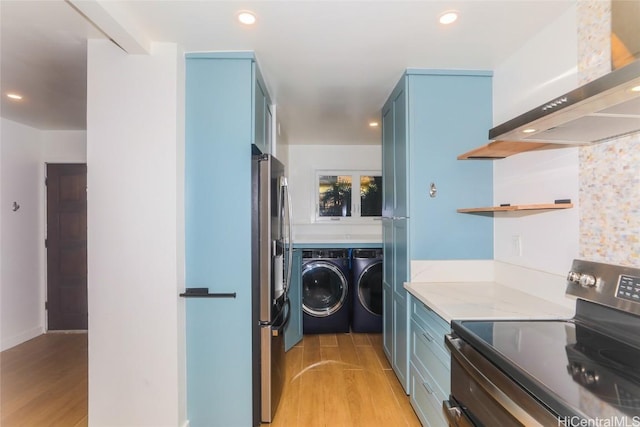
x: 286, y: 196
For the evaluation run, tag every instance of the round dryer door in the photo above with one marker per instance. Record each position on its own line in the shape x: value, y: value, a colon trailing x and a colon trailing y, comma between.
x: 324, y: 288
x: 370, y: 288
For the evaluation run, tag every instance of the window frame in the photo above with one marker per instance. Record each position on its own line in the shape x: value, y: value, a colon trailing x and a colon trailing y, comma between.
x: 356, y: 208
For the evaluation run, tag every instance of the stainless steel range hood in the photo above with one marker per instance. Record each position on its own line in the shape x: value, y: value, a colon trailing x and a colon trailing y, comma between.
x: 600, y: 110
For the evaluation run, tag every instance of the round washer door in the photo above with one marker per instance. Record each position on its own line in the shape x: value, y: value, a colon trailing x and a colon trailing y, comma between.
x: 324, y: 288
x: 370, y: 288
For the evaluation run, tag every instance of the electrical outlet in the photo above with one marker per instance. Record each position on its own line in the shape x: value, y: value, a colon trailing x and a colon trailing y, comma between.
x: 516, y: 245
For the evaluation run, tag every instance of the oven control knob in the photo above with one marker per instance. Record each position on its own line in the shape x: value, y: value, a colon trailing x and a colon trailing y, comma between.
x: 573, y: 277
x: 587, y: 280
x: 590, y: 377
x: 575, y: 369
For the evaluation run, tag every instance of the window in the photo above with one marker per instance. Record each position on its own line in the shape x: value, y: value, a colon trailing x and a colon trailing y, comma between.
x: 336, y: 199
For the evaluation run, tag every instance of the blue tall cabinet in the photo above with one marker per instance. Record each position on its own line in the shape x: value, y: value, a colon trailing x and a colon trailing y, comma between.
x: 430, y: 117
x: 227, y: 118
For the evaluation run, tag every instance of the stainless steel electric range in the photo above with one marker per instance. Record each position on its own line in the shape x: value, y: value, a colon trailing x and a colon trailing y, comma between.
x: 579, y: 372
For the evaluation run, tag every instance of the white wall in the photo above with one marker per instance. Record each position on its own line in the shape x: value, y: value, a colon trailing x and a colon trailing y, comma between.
x: 304, y: 161
x: 64, y: 146
x: 542, y: 69
x: 135, y: 145
x: 23, y: 290
x: 545, y: 67
x: 21, y: 234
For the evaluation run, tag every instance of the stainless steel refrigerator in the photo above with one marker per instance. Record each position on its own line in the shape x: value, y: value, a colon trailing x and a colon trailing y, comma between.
x: 271, y: 275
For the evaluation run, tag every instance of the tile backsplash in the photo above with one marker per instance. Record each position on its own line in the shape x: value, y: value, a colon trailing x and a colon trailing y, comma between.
x: 594, y: 39
x: 609, y: 171
x: 610, y: 201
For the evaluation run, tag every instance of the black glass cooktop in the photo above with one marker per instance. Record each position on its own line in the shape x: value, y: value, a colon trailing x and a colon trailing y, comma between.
x: 573, y: 369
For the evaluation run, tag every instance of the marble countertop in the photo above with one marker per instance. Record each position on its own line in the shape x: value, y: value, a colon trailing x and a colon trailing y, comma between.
x: 484, y: 301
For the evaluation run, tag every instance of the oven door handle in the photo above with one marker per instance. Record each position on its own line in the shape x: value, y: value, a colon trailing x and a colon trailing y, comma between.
x: 455, y: 416
x: 475, y: 365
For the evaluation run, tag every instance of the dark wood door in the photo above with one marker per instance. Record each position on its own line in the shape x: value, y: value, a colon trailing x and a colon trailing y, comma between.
x: 67, y: 246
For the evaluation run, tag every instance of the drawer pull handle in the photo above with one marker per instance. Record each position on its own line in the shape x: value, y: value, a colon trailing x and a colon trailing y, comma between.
x: 427, y: 387
x: 427, y: 336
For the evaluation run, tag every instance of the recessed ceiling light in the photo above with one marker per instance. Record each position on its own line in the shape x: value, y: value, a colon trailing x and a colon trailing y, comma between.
x: 246, y: 17
x: 528, y: 130
x: 373, y: 124
x: 635, y: 89
x: 15, y: 96
x: 448, y: 17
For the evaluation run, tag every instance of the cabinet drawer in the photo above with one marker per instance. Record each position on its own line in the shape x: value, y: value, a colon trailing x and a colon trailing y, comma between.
x: 426, y: 402
x: 430, y: 358
x: 427, y: 318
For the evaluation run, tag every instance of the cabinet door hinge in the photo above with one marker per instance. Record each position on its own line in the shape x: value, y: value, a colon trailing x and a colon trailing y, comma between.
x: 46, y: 243
x: 46, y: 305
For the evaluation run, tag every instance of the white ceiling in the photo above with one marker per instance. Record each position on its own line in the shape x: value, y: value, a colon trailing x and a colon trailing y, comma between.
x: 329, y: 65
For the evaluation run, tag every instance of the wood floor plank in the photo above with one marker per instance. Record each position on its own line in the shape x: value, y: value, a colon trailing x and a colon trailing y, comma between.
x: 311, y: 409
x: 361, y: 339
x: 328, y: 340
x: 376, y: 342
x: 287, y: 412
x: 336, y: 413
x: 369, y: 359
x: 350, y: 387
x: 331, y: 357
x: 403, y: 400
x: 44, y: 382
x: 293, y: 363
x: 348, y: 350
x: 311, y: 354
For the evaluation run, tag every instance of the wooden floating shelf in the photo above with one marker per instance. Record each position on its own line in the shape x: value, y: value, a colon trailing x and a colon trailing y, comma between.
x: 502, y: 149
x: 512, y: 208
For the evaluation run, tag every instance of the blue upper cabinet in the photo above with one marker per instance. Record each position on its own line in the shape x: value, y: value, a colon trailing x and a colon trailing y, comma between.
x: 221, y: 126
x: 263, y: 117
x: 388, y: 168
x: 448, y: 112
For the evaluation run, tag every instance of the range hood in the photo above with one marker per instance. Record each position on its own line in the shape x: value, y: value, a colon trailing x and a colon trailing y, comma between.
x: 600, y: 110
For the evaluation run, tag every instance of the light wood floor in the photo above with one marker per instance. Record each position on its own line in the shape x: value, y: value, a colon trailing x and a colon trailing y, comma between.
x: 43, y: 382
x: 336, y: 380
x: 333, y: 380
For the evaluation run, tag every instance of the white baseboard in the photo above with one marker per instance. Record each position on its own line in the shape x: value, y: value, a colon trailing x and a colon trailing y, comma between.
x: 9, y: 342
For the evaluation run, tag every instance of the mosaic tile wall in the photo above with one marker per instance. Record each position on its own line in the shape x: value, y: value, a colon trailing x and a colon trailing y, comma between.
x: 594, y: 45
x: 609, y: 171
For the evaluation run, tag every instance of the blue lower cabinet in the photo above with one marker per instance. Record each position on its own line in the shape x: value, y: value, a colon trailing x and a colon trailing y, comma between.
x: 219, y: 374
x: 430, y: 365
x: 425, y: 400
x: 400, y: 361
x: 293, y: 329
